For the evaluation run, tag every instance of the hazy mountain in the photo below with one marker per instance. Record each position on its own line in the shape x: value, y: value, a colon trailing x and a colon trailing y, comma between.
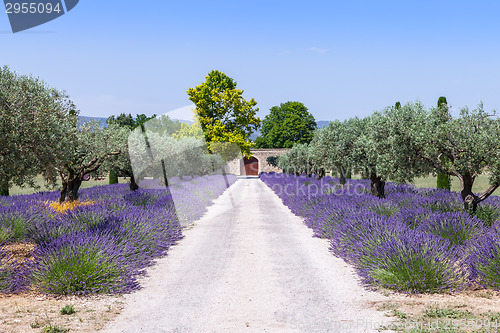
x: 102, y: 121
x: 322, y: 123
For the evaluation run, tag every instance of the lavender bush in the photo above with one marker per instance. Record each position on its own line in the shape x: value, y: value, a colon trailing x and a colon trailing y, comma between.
x: 413, y: 262
x: 6, y: 271
x: 102, y: 245
x: 414, y: 240
x: 82, y: 264
x: 484, y: 261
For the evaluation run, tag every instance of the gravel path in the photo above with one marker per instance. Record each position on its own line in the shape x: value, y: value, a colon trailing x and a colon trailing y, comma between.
x: 249, y: 265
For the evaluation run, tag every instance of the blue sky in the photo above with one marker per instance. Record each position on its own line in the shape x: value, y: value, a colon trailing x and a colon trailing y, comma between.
x: 340, y: 58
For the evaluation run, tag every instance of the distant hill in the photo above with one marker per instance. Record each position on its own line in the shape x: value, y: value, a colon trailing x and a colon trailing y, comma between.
x: 322, y: 123
x: 102, y: 121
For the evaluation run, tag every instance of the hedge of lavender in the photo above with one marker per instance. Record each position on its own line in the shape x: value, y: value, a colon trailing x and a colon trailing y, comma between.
x: 414, y: 240
x: 101, y: 246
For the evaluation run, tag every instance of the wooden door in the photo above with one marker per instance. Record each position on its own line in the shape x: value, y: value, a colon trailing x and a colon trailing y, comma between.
x: 251, y: 166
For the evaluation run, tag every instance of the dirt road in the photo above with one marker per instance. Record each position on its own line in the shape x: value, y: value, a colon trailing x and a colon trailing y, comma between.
x: 249, y: 265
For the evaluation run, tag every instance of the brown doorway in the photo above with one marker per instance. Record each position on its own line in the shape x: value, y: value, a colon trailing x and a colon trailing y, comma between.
x: 251, y: 166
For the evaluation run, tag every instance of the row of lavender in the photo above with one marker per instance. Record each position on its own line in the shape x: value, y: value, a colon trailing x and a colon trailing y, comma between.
x: 414, y: 240
x: 101, y: 245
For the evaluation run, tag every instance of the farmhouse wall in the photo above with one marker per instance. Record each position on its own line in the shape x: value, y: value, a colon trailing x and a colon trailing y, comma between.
x: 237, y: 166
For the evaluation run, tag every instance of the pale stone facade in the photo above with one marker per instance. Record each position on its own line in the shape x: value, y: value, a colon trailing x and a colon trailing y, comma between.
x: 237, y: 167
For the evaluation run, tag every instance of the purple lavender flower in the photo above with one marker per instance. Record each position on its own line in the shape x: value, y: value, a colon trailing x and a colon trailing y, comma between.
x: 484, y: 261
x: 102, y: 247
x: 414, y: 240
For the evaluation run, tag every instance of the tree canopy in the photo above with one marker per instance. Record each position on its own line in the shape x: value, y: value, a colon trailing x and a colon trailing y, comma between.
x: 287, y: 124
x: 332, y: 146
x: 464, y: 147
x: 443, y: 179
x: 34, y: 120
x: 87, y: 148
x: 223, y: 113
x: 409, y: 141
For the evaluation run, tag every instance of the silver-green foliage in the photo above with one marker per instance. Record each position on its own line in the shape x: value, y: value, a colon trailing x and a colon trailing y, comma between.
x: 400, y: 144
x: 470, y: 144
x: 34, y: 119
x: 187, y: 156
x: 300, y: 160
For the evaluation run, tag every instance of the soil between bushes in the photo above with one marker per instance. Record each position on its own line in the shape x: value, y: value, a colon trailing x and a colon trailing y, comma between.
x: 229, y: 250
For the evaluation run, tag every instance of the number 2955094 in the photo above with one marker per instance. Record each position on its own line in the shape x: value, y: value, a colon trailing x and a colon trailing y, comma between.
x: 32, y: 8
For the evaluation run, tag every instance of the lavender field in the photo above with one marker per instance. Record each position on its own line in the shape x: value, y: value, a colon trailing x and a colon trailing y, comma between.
x: 102, y: 243
x: 414, y: 240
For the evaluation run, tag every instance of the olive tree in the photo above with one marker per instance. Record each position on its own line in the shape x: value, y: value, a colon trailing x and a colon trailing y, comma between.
x: 332, y: 146
x: 373, y: 146
x: 162, y: 125
x: 35, y: 120
x: 87, y: 148
x: 424, y: 141
x: 121, y: 162
x: 465, y: 147
x: 162, y: 156
x: 299, y: 160
x: 385, y: 152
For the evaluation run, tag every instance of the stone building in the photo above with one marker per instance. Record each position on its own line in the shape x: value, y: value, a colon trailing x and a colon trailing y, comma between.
x: 256, y: 164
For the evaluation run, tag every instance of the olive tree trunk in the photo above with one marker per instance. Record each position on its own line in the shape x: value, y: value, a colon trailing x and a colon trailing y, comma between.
x: 377, y: 185
x: 4, y: 187
x: 470, y: 199
x: 133, y: 184
x: 69, y: 191
x: 342, y: 179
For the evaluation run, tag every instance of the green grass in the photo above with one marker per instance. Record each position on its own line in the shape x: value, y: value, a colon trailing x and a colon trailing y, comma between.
x: 451, y: 319
x: 39, y: 181
x: 67, y: 310
x: 54, y: 329
x: 452, y: 313
x: 480, y: 185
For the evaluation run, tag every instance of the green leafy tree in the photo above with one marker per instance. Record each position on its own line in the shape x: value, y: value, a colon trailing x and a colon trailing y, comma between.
x: 272, y: 161
x: 223, y: 113
x: 443, y: 179
x: 34, y: 123
x: 113, y: 177
x: 299, y: 160
x: 162, y: 125
x: 286, y: 124
x: 385, y: 153
x: 164, y: 156
x: 373, y: 146
x: 87, y: 148
x: 122, y: 120
x: 332, y: 146
x: 465, y: 147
